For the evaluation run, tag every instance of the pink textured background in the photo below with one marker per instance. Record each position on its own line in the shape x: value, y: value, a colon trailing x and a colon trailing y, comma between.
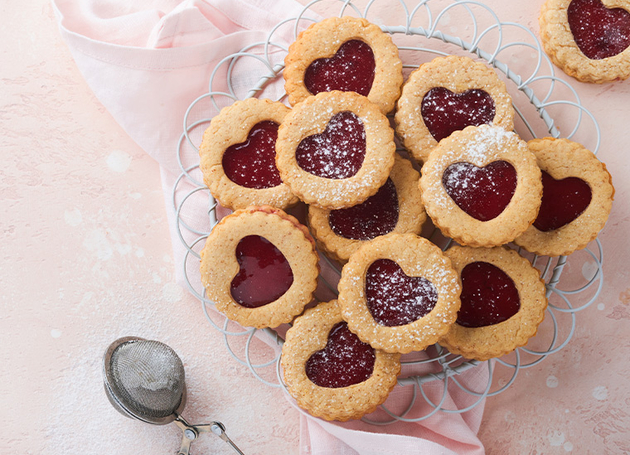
x: 86, y: 258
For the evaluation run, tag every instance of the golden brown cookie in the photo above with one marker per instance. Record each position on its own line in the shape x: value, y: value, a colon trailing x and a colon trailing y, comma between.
x: 237, y: 155
x: 335, y: 150
x: 399, y: 293
x: 347, y: 54
x: 396, y: 207
x: 577, y: 198
x: 481, y: 186
x: 330, y: 372
x: 588, y: 39
x: 502, y: 302
x: 259, y: 267
x: 448, y: 94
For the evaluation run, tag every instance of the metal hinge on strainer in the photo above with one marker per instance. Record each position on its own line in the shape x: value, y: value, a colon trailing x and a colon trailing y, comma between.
x: 144, y: 380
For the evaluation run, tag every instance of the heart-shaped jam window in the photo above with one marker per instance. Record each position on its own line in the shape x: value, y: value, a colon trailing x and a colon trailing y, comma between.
x: 252, y: 163
x: 264, y: 275
x: 395, y: 299
x: 338, y: 152
x: 351, y: 69
x: 345, y: 360
x: 376, y: 216
x: 598, y: 31
x: 488, y: 296
x: 444, y: 112
x: 481, y: 192
x: 562, y: 202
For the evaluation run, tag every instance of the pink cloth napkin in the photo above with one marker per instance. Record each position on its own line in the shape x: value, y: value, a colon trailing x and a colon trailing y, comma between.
x: 146, y: 61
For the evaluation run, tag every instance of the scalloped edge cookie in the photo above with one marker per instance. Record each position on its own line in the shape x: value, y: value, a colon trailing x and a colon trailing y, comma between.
x: 481, y: 146
x: 559, y: 43
x: 563, y: 158
x: 311, y: 117
x: 232, y: 126
x: 457, y: 74
x: 219, y: 265
x: 323, y: 39
x: 483, y: 343
x: 308, y: 335
x: 418, y: 258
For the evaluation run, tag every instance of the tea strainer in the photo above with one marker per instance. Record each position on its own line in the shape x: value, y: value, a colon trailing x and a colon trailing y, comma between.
x: 144, y: 380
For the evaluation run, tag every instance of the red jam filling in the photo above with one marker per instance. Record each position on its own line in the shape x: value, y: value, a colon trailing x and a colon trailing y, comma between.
x: 481, y: 192
x: 351, y: 69
x: 395, y: 299
x: 344, y: 361
x: 488, y: 296
x: 264, y: 275
x: 376, y: 216
x: 338, y: 152
x: 252, y: 163
x: 562, y: 202
x: 598, y: 31
x: 444, y: 112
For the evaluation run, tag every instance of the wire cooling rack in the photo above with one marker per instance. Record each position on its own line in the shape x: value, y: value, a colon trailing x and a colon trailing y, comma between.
x: 423, y: 31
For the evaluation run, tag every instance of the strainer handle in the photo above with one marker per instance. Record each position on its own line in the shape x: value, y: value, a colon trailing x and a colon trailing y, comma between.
x: 219, y: 429
x: 185, y: 448
x: 191, y: 432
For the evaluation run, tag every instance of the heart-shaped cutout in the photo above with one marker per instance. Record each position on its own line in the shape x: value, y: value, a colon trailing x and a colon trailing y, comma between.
x: 338, y: 152
x: 252, y: 163
x: 376, y: 216
x: 395, y: 299
x: 345, y: 360
x: 444, y: 112
x: 598, y: 31
x: 351, y: 69
x: 264, y: 275
x: 481, y: 192
x: 562, y: 202
x: 488, y: 296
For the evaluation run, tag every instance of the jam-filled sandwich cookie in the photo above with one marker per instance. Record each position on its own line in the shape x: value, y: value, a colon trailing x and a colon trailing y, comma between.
x: 396, y: 207
x: 448, y: 94
x: 238, y: 155
x: 588, y: 39
x: 346, y: 54
x: 259, y: 267
x: 335, y: 149
x: 577, y: 198
x: 399, y: 293
x: 481, y: 186
x: 503, y: 302
x: 329, y: 371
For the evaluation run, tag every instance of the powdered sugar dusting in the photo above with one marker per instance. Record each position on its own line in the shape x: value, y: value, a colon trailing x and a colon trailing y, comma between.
x: 444, y: 111
x: 485, y: 143
x: 338, y: 152
x: 478, y: 147
x: 483, y: 193
x: 395, y: 299
x: 435, y: 269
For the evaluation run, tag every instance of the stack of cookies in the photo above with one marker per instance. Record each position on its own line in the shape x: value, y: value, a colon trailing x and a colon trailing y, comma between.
x: 334, y: 150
